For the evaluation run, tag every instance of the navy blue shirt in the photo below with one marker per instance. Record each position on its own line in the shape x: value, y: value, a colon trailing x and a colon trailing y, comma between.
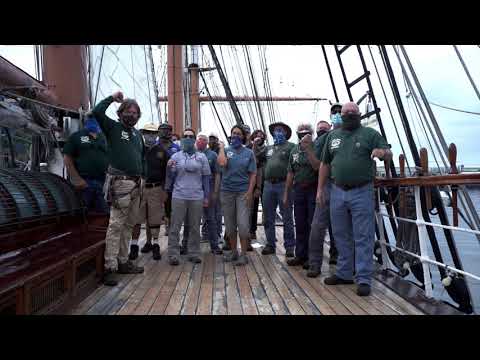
x: 240, y: 164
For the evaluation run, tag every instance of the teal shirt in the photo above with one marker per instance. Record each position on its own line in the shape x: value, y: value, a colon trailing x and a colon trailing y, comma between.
x: 125, y: 144
x: 240, y: 164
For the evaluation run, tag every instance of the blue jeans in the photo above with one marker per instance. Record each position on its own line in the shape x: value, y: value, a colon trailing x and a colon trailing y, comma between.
x: 353, y: 221
x: 304, y: 208
x: 318, y: 229
x: 93, y: 196
x: 211, y: 225
x: 271, y: 198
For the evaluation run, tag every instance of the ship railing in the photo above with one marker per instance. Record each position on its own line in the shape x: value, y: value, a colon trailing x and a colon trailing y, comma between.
x: 425, y: 181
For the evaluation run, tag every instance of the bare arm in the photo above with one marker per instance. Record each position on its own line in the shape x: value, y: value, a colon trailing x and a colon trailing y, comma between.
x: 222, y: 158
x: 75, y: 177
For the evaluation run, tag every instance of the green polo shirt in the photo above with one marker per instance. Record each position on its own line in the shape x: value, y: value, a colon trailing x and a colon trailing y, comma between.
x: 348, y: 153
x: 89, y: 154
x: 125, y: 144
x: 277, y: 160
x: 302, y: 170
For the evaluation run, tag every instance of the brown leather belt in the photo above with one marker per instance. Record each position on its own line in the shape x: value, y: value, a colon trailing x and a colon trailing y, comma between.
x: 351, y: 187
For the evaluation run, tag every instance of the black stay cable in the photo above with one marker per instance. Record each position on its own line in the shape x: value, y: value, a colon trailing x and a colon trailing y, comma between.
x: 213, y: 104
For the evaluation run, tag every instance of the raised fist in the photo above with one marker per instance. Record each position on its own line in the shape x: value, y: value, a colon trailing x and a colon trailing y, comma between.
x: 118, y: 96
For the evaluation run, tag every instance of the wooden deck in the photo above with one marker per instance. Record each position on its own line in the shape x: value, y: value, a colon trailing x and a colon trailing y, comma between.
x: 266, y: 286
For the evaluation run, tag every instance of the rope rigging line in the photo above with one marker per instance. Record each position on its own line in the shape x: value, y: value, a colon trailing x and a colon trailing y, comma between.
x: 98, y: 77
x: 388, y: 106
x: 133, y: 72
x: 254, y: 86
x: 465, y: 68
x: 454, y: 109
x: 148, y: 84
x: 213, y: 104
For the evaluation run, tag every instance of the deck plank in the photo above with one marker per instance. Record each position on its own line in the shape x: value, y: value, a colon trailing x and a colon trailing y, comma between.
x: 246, y: 296
x: 259, y: 295
x: 234, y: 307
x: 163, y: 298
x: 206, y: 288
x: 193, y: 291
x: 176, y: 301
x: 219, y: 302
x: 274, y: 297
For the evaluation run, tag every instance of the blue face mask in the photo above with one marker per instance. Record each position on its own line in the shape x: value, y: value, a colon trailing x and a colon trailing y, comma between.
x: 279, y: 137
x: 188, y: 145
x: 92, y: 126
x: 236, y: 141
x: 336, y: 119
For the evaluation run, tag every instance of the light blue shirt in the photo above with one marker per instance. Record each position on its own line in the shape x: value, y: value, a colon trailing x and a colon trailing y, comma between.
x: 189, y: 170
x: 240, y: 164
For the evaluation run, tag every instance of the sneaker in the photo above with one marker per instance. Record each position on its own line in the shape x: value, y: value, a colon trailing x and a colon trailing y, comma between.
x: 194, y: 259
x: 133, y: 252
x: 217, y: 251
x: 156, y: 252
x: 296, y: 261
x: 109, y: 278
x: 289, y: 253
x: 129, y: 268
x: 147, y: 247
x: 253, y: 236
x: 335, y: 280
x: 183, y: 250
x: 173, y: 261
x: 268, y: 249
x: 242, y: 260
x: 363, y: 290
x: 314, y: 271
x: 231, y: 256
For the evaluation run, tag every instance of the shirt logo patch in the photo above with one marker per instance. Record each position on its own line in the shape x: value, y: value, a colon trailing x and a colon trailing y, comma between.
x: 85, y: 139
x: 270, y: 152
x: 229, y: 154
x: 335, y: 144
x: 125, y: 136
x: 357, y: 145
x: 295, y: 157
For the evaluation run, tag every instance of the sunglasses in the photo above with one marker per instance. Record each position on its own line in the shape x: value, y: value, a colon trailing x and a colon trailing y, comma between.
x: 189, y: 136
x: 338, y: 111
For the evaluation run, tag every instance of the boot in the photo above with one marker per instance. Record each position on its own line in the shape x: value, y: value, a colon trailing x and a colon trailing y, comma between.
x: 314, y: 271
x: 147, y: 247
x: 129, y: 268
x: 133, y: 252
x: 109, y: 278
x: 156, y: 252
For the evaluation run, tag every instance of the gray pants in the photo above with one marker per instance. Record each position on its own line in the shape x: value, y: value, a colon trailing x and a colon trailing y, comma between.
x: 318, y: 229
x: 179, y: 211
x: 236, y: 214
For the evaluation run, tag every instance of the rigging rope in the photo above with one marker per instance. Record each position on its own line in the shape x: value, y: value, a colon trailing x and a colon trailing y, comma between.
x: 148, y: 84
x: 466, y: 71
x: 98, y: 77
x: 454, y: 109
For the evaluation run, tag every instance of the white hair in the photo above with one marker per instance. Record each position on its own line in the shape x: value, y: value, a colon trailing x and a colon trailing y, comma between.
x: 305, y: 125
x: 202, y: 135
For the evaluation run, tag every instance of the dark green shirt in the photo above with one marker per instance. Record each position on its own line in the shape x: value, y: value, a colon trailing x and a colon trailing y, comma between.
x: 318, y: 145
x: 125, y: 144
x: 302, y: 170
x: 277, y: 160
x: 348, y: 153
x: 89, y: 154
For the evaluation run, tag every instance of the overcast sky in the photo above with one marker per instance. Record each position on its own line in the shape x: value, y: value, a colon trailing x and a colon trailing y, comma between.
x: 301, y: 71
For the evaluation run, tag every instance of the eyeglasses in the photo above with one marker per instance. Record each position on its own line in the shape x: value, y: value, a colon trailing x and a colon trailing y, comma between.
x: 337, y: 111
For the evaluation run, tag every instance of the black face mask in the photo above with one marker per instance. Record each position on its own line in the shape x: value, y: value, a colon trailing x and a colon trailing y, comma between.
x: 321, y: 132
x: 129, y: 120
x: 351, y: 122
x: 301, y: 135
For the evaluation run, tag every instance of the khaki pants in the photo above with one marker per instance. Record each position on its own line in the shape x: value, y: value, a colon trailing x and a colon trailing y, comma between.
x: 152, y: 209
x: 123, y: 216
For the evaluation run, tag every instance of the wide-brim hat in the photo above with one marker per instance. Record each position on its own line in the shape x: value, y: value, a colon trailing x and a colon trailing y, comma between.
x: 165, y: 126
x: 282, y: 124
x: 149, y: 128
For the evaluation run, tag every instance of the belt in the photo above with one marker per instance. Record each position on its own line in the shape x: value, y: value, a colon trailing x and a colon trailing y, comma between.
x: 152, y: 185
x: 276, y: 180
x: 351, y: 187
x: 125, y: 177
x: 305, y: 185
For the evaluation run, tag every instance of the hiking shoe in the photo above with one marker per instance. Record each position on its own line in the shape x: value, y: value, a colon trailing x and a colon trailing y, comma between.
x: 306, y: 265
x: 173, y: 261
x: 289, y: 253
x: 133, y: 252
x: 253, y: 236
x: 268, y: 250
x: 231, y: 256
x: 194, y: 259
x: 296, y: 261
x: 242, y: 260
x: 183, y: 250
x: 217, y: 251
x: 147, y: 247
x: 314, y: 271
x: 335, y: 280
x: 156, y: 252
x: 363, y: 290
x: 109, y: 278
x: 129, y: 268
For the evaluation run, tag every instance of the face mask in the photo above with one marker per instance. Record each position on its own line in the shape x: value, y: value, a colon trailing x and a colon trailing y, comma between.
x: 279, y: 137
x: 336, y: 119
x: 213, y: 145
x: 302, y: 134
x: 351, y: 122
x: 149, y: 140
x: 129, y: 120
x: 236, y: 141
x: 321, y: 132
x: 201, y: 145
x: 165, y: 134
x: 187, y: 145
x: 92, y: 126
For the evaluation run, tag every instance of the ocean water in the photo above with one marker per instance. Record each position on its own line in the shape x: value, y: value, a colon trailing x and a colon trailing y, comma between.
x: 468, y: 247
